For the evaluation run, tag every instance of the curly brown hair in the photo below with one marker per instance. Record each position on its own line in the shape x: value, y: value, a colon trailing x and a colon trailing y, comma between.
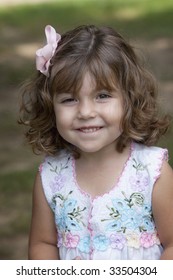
x: 110, y: 60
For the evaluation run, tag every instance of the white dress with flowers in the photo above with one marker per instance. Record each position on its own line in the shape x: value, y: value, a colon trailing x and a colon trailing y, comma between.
x: 117, y: 225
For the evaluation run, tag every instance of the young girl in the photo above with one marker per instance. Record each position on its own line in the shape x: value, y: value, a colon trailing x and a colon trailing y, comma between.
x: 103, y: 191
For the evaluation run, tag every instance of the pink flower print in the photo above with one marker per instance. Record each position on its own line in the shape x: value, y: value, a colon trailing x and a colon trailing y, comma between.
x: 58, y: 183
x: 71, y: 241
x: 139, y: 182
x: 147, y: 239
x: 117, y: 241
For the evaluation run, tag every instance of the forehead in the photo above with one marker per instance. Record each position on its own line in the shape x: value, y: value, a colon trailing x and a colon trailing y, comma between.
x: 92, y: 83
x: 88, y: 84
x: 76, y: 77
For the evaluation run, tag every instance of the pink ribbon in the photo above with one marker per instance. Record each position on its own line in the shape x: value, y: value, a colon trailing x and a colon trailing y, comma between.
x: 44, y: 55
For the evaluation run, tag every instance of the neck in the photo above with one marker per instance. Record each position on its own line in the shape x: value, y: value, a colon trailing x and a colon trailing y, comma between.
x: 104, y: 155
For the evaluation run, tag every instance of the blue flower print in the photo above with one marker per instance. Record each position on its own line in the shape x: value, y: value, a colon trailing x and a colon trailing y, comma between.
x: 69, y: 204
x: 148, y: 223
x: 61, y: 220
x: 130, y: 213
x: 65, y: 218
x: 100, y: 242
x: 146, y: 209
x: 69, y: 216
x: 65, y: 222
x: 147, y: 218
x: 119, y: 204
x: 131, y: 219
x: 114, y: 226
x: 84, y: 244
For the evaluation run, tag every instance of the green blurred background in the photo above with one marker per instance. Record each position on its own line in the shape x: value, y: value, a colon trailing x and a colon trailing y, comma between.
x: 147, y: 24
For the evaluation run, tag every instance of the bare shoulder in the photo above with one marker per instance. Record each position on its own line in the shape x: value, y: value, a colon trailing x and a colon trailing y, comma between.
x: 162, y: 204
x: 164, y: 183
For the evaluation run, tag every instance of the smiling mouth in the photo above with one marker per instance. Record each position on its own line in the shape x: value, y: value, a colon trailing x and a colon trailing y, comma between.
x: 89, y: 129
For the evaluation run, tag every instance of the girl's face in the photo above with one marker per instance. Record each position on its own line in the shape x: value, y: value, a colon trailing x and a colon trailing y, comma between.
x: 91, y: 120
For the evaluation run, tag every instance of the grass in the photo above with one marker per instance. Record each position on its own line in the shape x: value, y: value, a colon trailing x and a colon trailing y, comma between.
x: 15, y: 199
x: 23, y: 25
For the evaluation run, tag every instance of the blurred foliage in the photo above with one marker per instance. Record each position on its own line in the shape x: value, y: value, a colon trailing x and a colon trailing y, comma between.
x: 23, y: 26
x: 145, y: 18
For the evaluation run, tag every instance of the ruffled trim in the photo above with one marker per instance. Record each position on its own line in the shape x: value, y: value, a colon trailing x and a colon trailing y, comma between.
x: 163, y: 156
x: 116, y: 185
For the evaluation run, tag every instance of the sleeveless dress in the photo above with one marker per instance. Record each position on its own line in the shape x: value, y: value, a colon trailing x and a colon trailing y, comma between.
x: 117, y: 225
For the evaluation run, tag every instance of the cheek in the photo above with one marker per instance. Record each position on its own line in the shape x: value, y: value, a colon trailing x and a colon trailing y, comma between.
x: 60, y: 122
x: 63, y: 119
x: 115, y: 113
x: 58, y: 117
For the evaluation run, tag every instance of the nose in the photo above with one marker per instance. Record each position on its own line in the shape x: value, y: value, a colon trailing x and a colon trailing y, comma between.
x: 86, y: 110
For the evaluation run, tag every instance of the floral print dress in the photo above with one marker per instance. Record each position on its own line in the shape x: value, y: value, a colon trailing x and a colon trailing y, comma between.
x: 117, y: 225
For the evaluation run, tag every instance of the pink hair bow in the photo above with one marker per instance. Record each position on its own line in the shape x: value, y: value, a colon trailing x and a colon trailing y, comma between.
x: 44, y: 55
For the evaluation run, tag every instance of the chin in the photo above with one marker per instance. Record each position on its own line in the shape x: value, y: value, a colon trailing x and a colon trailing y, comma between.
x: 89, y: 149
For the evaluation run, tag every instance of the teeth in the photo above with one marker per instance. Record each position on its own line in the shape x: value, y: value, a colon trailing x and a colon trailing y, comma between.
x: 89, y: 130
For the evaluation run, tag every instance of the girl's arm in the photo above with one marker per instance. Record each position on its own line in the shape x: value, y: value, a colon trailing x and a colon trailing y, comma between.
x: 43, y: 234
x: 163, y: 210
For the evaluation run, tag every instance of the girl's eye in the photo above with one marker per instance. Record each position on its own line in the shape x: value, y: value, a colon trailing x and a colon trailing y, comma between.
x: 69, y: 100
x: 104, y: 95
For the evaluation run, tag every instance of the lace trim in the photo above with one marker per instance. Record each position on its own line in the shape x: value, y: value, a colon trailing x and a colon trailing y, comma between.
x: 116, y: 185
x: 163, y: 156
